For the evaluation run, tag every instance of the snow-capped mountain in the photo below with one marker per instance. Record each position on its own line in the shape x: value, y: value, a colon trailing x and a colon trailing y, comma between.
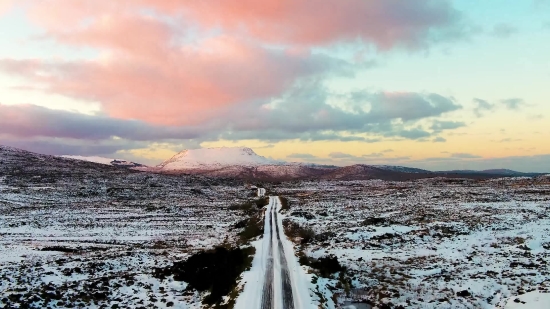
x: 239, y: 163
x: 103, y: 160
x: 244, y: 163
x: 215, y: 158
x: 235, y: 162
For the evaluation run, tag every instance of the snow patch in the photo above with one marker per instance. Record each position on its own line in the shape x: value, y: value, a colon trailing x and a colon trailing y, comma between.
x: 94, y: 159
x: 531, y: 300
x: 216, y: 157
x: 102, y: 160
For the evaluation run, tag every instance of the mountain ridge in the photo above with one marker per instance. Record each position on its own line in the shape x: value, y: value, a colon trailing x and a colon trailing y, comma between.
x: 212, y: 158
x: 244, y: 163
x: 104, y: 160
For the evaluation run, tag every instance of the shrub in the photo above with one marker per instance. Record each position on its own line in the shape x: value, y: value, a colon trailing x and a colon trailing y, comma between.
x: 303, y: 214
x: 285, y: 204
x: 241, y: 224
x: 262, y: 201
x: 303, y: 258
x: 326, y: 236
x: 216, y: 271
x: 293, y: 230
x: 248, y: 206
x: 375, y: 221
x: 60, y: 249
x: 252, y: 227
x: 326, y: 265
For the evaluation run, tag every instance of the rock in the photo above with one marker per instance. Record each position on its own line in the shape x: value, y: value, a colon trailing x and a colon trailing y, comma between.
x: 374, y: 221
x: 463, y: 293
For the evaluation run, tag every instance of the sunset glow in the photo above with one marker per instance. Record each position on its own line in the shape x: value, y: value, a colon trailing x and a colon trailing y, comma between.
x: 435, y: 84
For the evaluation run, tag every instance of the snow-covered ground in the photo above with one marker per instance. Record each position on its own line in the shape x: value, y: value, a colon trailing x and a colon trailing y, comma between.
x: 94, y: 237
x: 79, y: 234
x: 531, y: 300
x: 431, y: 243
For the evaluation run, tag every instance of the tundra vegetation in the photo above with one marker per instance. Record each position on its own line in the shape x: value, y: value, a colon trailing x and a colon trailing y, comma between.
x: 78, y: 234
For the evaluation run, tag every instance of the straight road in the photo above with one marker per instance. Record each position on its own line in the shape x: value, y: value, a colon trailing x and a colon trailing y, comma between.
x: 277, y: 291
x: 276, y: 280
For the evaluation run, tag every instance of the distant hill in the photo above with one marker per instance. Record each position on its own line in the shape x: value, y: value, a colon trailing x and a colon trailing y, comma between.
x: 244, y: 163
x: 494, y: 172
x: 402, y: 169
x: 504, y: 172
x: 23, y: 164
x: 235, y: 163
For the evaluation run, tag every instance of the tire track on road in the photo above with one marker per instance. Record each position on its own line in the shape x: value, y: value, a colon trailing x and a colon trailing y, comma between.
x: 288, y: 298
x: 267, y: 293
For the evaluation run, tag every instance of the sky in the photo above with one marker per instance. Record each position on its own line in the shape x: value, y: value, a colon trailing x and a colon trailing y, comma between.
x: 435, y: 84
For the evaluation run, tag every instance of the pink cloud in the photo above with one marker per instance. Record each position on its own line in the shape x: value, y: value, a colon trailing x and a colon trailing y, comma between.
x: 178, y: 86
x: 55, y: 15
x: 384, y: 23
x: 181, y: 63
x: 5, y: 6
x: 130, y: 35
x: 294, y: 22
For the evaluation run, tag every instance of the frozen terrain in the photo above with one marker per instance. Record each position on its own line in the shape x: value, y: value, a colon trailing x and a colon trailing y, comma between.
x: 438, y: 243
x: 76, y: 234
x: 531, y: 300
